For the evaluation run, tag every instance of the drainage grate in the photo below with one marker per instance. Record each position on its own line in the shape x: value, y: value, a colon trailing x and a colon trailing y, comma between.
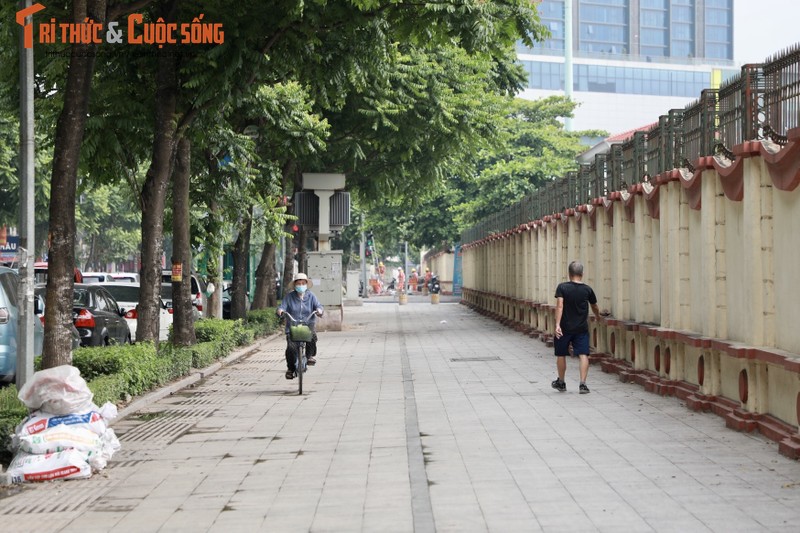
x: 473, y: 359
x: 200, y: 399
x: 167, y: 427
x: 56, y: 498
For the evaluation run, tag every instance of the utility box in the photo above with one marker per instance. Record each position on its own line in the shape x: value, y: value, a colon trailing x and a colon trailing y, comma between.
x: 353, y: 294
x: 325, y: 272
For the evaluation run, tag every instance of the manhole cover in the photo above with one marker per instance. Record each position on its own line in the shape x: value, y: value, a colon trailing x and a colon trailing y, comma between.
x: 471, y: 359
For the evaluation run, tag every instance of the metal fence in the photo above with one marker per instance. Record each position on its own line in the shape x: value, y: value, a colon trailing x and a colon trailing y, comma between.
x: 762, y: 102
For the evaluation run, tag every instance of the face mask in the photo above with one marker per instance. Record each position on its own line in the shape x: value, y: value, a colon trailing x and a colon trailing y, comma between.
x: 300, y: 288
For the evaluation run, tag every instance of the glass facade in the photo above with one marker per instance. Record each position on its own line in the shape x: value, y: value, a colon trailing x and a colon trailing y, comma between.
x: 682, y: 28
x: 603, y: 26
x: 719, y: 22
x: 653, y: 28
x: 621, y: 80
x: 551, y: 14
x: 666, y: 28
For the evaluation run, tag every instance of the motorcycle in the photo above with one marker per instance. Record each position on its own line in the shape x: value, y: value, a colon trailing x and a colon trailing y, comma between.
x: 433, y: 285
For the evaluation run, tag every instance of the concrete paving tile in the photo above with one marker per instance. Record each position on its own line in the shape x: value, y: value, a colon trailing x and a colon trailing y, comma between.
x: 500, y: 450
x: 194, y: 520
x: 237, y: 521
x: 94, y: 521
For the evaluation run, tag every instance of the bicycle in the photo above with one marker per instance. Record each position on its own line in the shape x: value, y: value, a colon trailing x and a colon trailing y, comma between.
x: 300, y: 333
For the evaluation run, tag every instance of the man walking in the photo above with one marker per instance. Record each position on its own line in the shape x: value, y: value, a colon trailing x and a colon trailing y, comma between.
x: 573, y: 299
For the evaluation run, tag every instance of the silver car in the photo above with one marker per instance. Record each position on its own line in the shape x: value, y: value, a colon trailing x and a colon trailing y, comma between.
x: 9, y: 319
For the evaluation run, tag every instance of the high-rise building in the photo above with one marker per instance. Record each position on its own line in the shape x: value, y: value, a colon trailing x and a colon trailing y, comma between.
x: 632, y: 60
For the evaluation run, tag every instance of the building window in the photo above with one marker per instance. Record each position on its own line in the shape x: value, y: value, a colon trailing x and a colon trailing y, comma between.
x: 603, y: 26
x: 719, y: 21
x: 551, y: 14
x: 618, y: 80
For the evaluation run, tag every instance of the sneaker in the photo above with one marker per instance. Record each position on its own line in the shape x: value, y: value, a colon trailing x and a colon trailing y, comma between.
x: 290, y: 374
x: 583, y: 389
x: 310, y: 361
x: 560, y: 386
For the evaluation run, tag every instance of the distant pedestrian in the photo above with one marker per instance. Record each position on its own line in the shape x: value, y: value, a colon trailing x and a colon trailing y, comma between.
x: 401, y: 280
x: 426, y: 287
x: 413, y: 279
x: 573, y: 299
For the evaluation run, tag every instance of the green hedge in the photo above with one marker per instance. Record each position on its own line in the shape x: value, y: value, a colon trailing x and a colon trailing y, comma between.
x: 263, y: 322
x: 176, y: 361
x: 219, y: 331
x: 205, y: 353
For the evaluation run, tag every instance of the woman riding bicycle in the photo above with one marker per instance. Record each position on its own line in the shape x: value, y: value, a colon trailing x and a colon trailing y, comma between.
x: 302, y: 304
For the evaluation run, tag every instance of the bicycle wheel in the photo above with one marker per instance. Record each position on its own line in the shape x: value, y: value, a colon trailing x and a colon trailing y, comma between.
x: 300, y: 365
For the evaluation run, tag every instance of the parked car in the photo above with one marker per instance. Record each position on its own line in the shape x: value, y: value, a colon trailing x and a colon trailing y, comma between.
x: 130, y: 277
x: 199, y: 298
x: 166, y: 297
x: 96, y: 277
x: 98, y: 317
x: 127, y: 296
x: 39, y: 297
x: 227, y: 297
x: 9, y: 318
x: 40, y: 273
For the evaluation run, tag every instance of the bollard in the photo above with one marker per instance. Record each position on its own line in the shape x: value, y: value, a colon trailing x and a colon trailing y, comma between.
x: 435, y: 298
x: 403, y: 300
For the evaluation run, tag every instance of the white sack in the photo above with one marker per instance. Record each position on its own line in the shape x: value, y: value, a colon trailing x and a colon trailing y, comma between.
x: 69, y: 464
x: 60, y: 391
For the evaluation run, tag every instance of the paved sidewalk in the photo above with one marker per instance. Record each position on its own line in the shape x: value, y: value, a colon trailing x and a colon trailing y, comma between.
x: 420, y: 418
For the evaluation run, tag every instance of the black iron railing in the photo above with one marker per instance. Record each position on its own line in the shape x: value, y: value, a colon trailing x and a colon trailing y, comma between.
x: 781, y: 105
x: 762, y: 102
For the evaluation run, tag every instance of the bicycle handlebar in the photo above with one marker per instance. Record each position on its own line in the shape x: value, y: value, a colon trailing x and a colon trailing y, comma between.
x: 286, y: 313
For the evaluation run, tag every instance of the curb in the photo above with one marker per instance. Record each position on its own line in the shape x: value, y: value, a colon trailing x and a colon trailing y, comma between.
x: 196, y: 375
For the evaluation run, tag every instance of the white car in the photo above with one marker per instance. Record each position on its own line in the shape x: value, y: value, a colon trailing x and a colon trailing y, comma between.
x: 129, y: 277
x: 96, y: 277
x: 127, y: 296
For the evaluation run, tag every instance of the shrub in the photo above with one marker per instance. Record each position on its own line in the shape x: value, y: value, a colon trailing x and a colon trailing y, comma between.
x: 138, y: 364
x: 245, y: 336
x: 176, y: 361
x: 216, y: 330
x: 111, y: 388
x: 10, y: 403
x: 205, y: 353
x: 263, y: 321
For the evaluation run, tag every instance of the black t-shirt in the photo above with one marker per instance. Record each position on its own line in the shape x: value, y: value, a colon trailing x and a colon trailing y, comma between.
x: 577, y: 297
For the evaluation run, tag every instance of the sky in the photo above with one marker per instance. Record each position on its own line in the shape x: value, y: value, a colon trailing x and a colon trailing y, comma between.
x: 763, y: 27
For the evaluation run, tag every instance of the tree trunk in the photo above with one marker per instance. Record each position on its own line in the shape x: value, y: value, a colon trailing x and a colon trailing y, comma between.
x: 241, y: 257
x: 214, y: 272
x: 265, y: 279
x: 66, y: 156
x: 183, y: 317
x: 154, y: 194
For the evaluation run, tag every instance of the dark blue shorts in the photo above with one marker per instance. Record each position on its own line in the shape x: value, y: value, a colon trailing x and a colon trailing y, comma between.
x: 579, y: 341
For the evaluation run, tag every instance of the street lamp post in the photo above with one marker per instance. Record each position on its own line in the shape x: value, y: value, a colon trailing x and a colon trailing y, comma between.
x: 26, y: 179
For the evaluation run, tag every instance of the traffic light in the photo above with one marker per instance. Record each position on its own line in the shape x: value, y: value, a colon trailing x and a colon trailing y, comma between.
x: 370, y: 245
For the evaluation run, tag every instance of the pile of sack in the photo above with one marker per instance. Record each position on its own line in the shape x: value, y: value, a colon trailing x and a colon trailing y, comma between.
x: 66, y: 436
